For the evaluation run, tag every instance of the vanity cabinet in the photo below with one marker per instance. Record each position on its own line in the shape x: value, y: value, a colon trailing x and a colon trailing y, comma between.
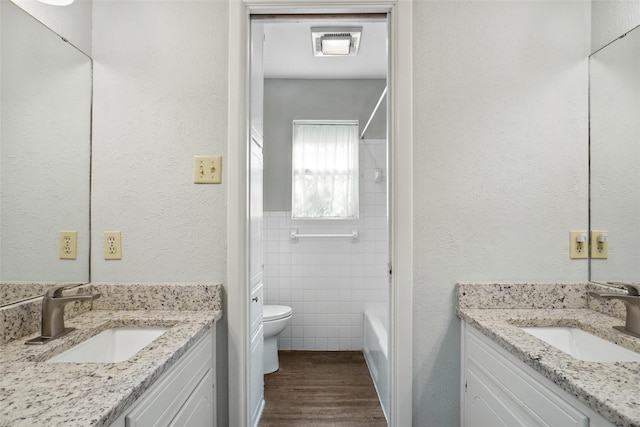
x: 497, y: 389
x: 183, y: 396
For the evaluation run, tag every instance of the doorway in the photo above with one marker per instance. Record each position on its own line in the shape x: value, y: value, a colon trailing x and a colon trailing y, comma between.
x: 399, y: 180
x: 325, y: 221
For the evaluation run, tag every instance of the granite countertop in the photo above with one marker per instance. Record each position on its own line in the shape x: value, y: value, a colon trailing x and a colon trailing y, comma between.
x: 34, y: 392
x: 611, y: 389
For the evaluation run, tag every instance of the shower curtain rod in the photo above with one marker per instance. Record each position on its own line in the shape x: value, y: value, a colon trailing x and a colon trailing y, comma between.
x: 373, y: 113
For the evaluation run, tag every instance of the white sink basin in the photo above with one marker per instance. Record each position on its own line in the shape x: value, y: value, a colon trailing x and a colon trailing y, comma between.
x: 110, y: 346
x: 583, y: 345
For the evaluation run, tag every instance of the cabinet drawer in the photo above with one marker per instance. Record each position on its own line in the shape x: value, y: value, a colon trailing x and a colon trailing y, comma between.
x: 165, y: 399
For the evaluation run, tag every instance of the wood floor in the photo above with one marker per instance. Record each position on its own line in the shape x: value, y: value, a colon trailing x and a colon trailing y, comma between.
x: 321, y: 389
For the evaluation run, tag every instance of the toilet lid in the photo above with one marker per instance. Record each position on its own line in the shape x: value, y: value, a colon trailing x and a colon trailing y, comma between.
x: 275, y: 312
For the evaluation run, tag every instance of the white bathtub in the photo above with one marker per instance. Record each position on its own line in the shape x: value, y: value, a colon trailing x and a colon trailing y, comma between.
x: 375, y: 353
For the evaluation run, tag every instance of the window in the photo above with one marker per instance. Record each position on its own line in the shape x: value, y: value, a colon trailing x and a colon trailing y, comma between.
x: 325, y: 170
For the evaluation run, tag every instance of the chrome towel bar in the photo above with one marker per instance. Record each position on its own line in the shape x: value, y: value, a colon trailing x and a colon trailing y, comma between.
x: 354, y: 235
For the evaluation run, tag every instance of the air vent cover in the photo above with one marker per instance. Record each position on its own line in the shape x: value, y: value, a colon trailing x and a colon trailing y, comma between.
x: 335, y: 41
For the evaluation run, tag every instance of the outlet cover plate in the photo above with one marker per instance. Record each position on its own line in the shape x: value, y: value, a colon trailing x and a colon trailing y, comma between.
x: 112, y: 245
x: 68, y: 244
x: 599, y: 250
x: 576, y: 251
x: 207, y: 169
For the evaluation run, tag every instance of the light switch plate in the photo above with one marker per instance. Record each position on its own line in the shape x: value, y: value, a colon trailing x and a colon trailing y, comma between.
x: 599, y: 250
x: 68, y: 244
x: 112, y: 245
x: 207, y: 169
x: 578, y: 250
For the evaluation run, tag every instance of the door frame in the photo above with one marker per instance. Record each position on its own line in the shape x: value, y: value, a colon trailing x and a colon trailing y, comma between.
x: 400, y: 134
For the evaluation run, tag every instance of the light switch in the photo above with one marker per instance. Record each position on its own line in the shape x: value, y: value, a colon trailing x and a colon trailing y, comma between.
x: 207, y: 169
x: 68, y: 244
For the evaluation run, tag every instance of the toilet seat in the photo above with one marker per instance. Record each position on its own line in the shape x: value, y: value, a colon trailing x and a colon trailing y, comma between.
x: 275, y: 312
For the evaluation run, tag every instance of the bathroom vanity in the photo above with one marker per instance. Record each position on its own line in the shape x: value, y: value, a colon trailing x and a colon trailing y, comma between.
x: 500, y: 390
x: 172, y: 379
x: 509, y: 377
x: 185, y: 395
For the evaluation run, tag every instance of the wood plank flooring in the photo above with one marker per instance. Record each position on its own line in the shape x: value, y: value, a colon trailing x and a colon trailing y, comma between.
x: 321, y: 389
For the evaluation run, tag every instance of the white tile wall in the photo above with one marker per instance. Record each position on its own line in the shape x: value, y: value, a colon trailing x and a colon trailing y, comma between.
x: 330, y: 282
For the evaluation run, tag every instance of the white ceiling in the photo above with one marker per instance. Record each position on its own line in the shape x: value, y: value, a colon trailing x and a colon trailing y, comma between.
x: 288, y: 52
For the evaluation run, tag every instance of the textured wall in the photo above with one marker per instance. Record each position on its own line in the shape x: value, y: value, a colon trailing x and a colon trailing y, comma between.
x: 500, y: 161
x: 160, y: 98
x: 612, y: 18
x: 72, y: 22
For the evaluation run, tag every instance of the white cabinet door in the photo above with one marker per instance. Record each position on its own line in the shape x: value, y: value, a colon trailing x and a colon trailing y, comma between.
x: 257, y: 376
x: 500, y: 390
x: 199, y: 409
x: 483, y: 407
x: 164, y: 400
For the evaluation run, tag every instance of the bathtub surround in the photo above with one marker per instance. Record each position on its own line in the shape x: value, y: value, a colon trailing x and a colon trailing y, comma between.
x: 499, y: 309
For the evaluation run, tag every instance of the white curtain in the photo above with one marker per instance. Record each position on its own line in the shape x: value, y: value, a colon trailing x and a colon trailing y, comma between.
x: 325, y: 170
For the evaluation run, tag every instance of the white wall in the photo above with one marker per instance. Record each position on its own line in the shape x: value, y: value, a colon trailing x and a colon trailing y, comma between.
x: 500, y: 153
x: 160, y: 98
x: 286, y: 100
x: 612, y: 18
x: 331, y: 282
x: 500, y: 161
x: 72, y: 22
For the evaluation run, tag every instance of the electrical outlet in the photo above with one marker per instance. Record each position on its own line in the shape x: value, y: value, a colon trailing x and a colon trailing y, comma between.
x: 207, y: 169
x: 112, y: 245
x: 578, y: 243
x: 68, y: 244
x: 599, y: 244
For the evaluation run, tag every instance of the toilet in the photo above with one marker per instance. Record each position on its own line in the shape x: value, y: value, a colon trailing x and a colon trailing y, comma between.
x: 274, y: 319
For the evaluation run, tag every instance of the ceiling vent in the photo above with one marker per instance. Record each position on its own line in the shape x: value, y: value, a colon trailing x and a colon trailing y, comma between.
x: 336, y: 41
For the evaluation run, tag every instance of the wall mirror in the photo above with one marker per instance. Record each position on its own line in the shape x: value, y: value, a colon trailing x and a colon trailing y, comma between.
x: 615, y: 157
x: 45, y: 149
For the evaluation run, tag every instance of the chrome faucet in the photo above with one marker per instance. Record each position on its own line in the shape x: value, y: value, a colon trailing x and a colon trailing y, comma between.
x: 53, y: 313
x: 632, y: 303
